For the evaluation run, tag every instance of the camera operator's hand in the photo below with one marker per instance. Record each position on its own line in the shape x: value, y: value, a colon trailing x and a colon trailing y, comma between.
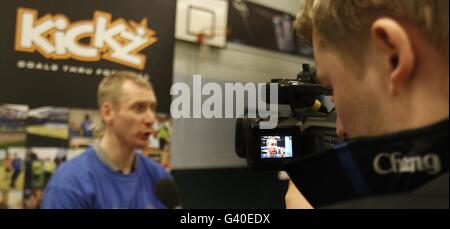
x: 294, y: 198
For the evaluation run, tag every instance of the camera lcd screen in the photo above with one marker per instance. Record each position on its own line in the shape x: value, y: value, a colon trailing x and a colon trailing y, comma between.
x: 279, y: 146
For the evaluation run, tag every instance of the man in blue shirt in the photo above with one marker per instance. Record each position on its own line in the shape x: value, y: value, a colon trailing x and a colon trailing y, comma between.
x: 86, y: 127
x: 17, y: 168
x: 111, y: 174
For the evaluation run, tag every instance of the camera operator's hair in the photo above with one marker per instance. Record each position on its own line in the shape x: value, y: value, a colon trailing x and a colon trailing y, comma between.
x: 345, y: 24
x: 110, y: 88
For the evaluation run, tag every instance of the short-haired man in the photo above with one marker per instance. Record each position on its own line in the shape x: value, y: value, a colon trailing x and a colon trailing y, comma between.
x: 272, y: 148
x: 111, y: 174
x: 387, y: 63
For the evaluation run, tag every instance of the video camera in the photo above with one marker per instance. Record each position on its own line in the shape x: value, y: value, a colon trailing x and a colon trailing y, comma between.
x: 307, y: 125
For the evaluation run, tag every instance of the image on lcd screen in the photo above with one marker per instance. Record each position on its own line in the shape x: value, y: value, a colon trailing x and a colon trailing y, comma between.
x: 276, y: 146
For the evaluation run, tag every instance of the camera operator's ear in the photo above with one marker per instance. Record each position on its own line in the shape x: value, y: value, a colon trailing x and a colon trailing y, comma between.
x: 393, y: 38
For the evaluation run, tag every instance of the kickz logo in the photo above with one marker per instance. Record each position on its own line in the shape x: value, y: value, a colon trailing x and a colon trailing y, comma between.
x: 388, y: 163
x: 55, y: 37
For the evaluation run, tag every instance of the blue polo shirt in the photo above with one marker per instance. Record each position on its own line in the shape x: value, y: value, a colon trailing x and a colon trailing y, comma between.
x: 87, y: 182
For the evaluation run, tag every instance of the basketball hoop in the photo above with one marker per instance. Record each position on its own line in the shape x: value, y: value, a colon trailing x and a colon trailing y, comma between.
x: 209, y: 34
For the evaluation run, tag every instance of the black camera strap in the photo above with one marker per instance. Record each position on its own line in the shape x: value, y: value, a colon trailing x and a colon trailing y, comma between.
x: 389, y: 164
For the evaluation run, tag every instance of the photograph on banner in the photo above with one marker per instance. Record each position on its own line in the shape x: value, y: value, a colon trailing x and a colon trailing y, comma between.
x: 250, y: 22
x: 48, y: 126
x: 32, y: 198
x: 12, y: 171
x: 2, y: 199
x: 84, y: 127
x: 13, y: 199
x: 160, y: 141
x: 13, y: 119
x: 41, y: 163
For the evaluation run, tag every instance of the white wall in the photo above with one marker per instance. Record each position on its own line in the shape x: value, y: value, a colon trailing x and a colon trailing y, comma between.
x: 288, y: 6
x: 234, y: 63
x: 201, y: 143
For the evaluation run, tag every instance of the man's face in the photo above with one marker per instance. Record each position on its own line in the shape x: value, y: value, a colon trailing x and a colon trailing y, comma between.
x: 357, y: 97
x: 134, y: 116
x: 272, y: 146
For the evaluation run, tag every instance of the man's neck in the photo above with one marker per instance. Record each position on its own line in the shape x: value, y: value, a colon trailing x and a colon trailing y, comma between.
x: 426, y: 101
x: 121, y: 155
x: 429, y: 86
